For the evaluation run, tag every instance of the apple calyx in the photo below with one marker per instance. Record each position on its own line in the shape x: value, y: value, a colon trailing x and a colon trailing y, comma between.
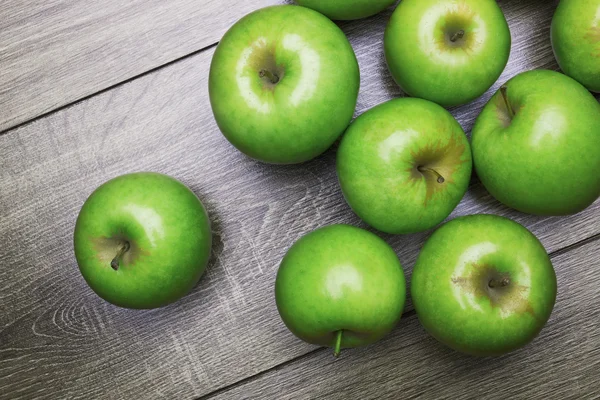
x: 503, y: 92
x: 338, y: 343
x: 457, y: 36
x: 265, y: 73
x: 123, y: 248
x: 440, y: 178
x: 495, y: 283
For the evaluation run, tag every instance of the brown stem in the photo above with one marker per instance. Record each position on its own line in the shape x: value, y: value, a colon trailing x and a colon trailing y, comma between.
x: 265, y: 73
x: 114, y: 264
x: 440, y: 178
x: 495, y: 283
x: 511, y: 112
x: 458, y: 35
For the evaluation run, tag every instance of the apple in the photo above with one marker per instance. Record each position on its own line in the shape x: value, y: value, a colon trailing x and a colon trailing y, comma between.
x: 347, y: 9
x: 536, y: 144
x: 283, y: 84
x: 142, y: 240
x: 404, y: 165
x: 340, y: 286
x: 447, y: 51
x: 483, y: 285
x: 576, y: 40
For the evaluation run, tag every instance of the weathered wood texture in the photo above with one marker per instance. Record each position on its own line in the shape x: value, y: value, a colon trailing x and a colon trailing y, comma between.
x: 55, y: 52
x: 562, y: 363
x: 58, y: 340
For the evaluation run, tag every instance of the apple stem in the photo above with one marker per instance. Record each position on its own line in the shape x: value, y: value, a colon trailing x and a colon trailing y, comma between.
x: 264, y: 73
x: 458, y: 35
x: 511, y: 112
x: 338, y: 343
x: 114, y: 264
x: 440, y: 178
x: 494, y: 283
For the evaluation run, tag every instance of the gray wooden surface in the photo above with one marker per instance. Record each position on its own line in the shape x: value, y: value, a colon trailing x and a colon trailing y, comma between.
x: 59, y: 340
x: 54, y: 52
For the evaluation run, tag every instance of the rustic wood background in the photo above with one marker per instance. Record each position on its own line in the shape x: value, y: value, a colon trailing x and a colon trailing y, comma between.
x: 92, y: 90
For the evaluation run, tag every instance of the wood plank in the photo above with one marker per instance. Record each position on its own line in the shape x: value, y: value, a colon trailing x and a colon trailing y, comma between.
x: 55, y: 52
x: 58, y: 340
x: 562, y: 363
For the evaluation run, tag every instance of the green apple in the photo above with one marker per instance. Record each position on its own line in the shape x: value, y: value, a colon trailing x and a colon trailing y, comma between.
x: 404, y: 165
x: 576, y: 40
x: 142, y: 240
x: 483, y: 285
x: 347, y: 9
x: 283, y: 84
x: 340, y: 286
x: 447, y: 51
x: 536, y: 144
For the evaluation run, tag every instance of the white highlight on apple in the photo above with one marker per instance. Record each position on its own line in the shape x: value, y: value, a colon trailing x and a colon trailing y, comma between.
x: 469, y: 257
x: 396, y: 143
x: 244, y: 81
x: 310, y: 67
x: 548, y: 126
x: 341, y: 279
x: 152, y: 221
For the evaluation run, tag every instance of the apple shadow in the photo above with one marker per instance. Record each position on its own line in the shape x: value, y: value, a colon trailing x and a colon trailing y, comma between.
x: 216, y: 247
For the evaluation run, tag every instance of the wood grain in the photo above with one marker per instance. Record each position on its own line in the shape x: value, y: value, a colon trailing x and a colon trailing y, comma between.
x: 562, y: 363
x: 58, y: 340
x: 54, y: 52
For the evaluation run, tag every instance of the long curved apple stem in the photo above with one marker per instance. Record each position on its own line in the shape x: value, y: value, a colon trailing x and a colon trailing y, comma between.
x: 511, y: 112
x: 458, y: 35
x: 338, y: 343
x: 265, y: 73
x: 440, y: 178
x: 114, y: 264
x: 495, y: 283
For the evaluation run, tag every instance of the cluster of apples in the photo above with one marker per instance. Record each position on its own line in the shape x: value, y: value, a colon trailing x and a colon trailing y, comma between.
x: 283, y: 87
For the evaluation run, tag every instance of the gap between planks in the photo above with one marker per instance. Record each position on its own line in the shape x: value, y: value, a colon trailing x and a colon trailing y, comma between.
x: 107, y: 89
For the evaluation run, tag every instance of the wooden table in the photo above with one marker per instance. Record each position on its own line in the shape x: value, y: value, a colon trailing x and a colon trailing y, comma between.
x: 90, y: 90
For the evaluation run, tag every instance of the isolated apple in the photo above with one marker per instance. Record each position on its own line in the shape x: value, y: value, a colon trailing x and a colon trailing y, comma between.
x: 283, y: 84
x: 447, y: 51
x: 142, y: 240
x: 347, y: 9
x: 404, y: 165
x: 483, y: 285
x: 340, y: 286
x: 576, y: 40
x: 536, y: 144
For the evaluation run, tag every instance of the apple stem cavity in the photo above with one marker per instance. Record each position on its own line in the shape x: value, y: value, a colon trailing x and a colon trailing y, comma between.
x: 338, y: 344
x: 440, y: 178
x: 458, y: 35
x: 495, y: 283
x: 511, y: 112
x: 264, y: 73
x: 114, y: 264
